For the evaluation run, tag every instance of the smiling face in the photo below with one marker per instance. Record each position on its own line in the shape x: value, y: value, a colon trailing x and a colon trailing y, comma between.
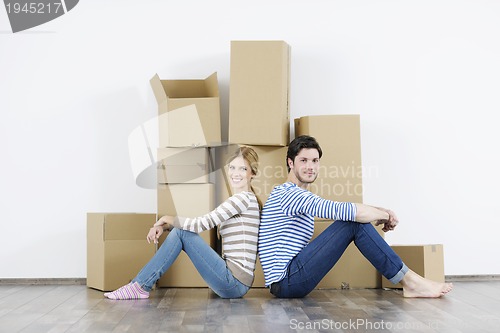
x: 304, y: 168
x: 239, y: 174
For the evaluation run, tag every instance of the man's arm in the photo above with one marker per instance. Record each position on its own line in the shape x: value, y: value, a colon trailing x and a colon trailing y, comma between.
x: 369, y: 214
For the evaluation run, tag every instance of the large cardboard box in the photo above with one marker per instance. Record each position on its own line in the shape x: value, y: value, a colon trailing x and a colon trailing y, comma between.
x: 188, y: 111
x: 272, y: 170
x: 341, y: 172
x: 425, y: 260
x: 259, y: 87
x: 183, y: 165
x: 186, y: 200
x: 117, y: 248
x: 352, y: 270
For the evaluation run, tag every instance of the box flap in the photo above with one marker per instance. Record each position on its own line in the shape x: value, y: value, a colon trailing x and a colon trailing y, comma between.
x: 185, y: 88
x: 212, y: 85
x: 158, y: 90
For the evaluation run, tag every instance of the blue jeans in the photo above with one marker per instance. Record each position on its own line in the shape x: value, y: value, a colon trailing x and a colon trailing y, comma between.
x: 209, y: 264
x: 310, y: 265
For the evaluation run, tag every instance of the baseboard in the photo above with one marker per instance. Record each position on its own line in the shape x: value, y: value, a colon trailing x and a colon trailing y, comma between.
x: 471, y: 278
x: 48, y: 281
x: 83, y: 281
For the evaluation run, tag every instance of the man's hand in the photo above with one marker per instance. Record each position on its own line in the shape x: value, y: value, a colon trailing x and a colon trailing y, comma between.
x: 154, y: 234
x: 389, y: 224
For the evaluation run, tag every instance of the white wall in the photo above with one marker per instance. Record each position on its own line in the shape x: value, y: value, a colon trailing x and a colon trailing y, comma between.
x: 423, y: 75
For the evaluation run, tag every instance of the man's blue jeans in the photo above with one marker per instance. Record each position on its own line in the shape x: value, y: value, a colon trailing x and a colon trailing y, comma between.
x: 209, y: 264
x: 315, y: 260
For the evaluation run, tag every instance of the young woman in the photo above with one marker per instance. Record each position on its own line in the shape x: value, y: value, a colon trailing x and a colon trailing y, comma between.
x: 238, y: 218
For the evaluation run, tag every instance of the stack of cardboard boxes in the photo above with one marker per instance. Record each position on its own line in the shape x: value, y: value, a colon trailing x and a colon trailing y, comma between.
x: 189, y: 124
x: 259, y: 115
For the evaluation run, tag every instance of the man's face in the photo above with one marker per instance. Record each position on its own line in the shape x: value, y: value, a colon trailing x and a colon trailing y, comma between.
x: 306, y: 165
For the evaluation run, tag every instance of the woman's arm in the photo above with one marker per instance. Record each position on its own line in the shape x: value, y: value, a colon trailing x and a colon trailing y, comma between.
x: 165, y: 220
x: 234, y: 205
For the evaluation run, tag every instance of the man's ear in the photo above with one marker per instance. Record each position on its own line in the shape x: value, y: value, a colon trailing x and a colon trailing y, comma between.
x: 290, y: 162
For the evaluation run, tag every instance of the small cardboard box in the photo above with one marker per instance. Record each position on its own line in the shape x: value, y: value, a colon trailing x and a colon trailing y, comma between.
x: 352, y: 270
x: 259, y: 87
x: 341, y: 173
x: 117, y: 248
x: 425, y: 260
x: 183, y: 165
x: 196, y: 120
x: 185, y: 200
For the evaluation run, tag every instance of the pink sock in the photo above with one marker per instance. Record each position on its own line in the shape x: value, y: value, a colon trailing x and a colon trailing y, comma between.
x: 128, y: 291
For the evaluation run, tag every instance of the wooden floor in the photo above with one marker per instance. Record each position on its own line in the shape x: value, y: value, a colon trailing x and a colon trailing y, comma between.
x: 471, y: 307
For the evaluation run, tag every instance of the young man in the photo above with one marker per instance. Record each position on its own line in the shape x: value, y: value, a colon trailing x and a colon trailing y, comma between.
x: 292, y: 266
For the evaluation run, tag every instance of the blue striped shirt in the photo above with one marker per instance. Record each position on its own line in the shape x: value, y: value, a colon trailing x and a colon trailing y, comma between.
x: 287, y: 225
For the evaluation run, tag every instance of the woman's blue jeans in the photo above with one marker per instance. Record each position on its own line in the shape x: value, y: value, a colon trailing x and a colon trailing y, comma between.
x: 209, y: 264
x: 315, y: 260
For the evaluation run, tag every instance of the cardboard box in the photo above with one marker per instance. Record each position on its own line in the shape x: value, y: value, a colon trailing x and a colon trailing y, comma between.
x: 186, y: 200
x: 425, y: 260
x: 272, y: 170
x: 259, y: 93
x: 196, y: 120
x: 183, y: 165
x: 183, y: 273
x: 341, y: 172
x: 117, y: 248
x: 352, y: 270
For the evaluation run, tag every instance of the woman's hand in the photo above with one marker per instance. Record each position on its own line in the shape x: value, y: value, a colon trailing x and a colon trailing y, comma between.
x: 154, y: 234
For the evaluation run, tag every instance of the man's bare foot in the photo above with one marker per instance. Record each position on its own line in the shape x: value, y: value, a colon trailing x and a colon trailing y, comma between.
x: 416, y: 286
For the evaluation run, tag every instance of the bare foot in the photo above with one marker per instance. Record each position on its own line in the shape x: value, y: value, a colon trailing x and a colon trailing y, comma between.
x: 416, y: 286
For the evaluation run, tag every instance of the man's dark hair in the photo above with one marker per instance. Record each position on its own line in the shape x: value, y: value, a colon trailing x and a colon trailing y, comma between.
x: 299, y: 143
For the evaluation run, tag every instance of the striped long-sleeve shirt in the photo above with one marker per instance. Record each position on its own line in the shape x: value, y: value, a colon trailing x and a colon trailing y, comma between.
x: 287, y: 225
x: 238, y: 219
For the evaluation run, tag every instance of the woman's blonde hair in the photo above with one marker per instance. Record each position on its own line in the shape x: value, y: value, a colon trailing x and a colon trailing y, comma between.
x: 252, y: 159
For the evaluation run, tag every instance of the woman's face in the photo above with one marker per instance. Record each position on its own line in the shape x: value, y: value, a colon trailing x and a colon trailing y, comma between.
x: 239, y: 174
